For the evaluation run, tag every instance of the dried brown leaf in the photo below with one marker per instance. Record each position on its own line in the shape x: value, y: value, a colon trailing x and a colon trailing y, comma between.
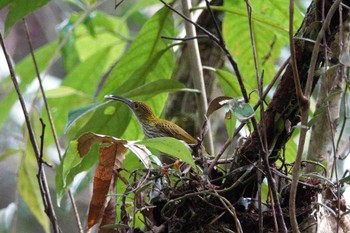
x: 217, y: 103
x: 87, y: 140
x: 109, y: 157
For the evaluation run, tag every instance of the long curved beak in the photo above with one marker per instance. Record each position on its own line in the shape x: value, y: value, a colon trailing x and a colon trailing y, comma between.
x: 119, y: 98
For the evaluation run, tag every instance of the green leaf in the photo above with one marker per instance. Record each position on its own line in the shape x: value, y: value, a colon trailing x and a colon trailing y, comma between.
x: 139, y: 5
x: 291, y: 151
x: 86, y: 76
x: 101, y: 31
x: 26, y: 72
x: 77, y: 113
x: 170, y: 146
x: 230, y: 86
x: 29, y: 189
x: 156, y: 87
x: 72, y: 165
x: 68, y: 50
x: 228, y: 82
x: 138, y: 77
x: 270, y: 22
x: 241, y: 110
x: 18, y: 9
x: 230, y: 126
x: 109, y: 119
x: 63, y: 91
x: 3, y: 3
x: 133, y: 71
x: 145, y: 46
x: 69, y: 160
x: 345, y: 179
x: 9, y: 152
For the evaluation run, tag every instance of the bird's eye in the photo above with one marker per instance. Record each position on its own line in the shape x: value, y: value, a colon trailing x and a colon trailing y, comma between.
x: 136, y: 105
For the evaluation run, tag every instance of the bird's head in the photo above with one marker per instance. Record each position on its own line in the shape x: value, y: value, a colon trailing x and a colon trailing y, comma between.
x: 142, y: 111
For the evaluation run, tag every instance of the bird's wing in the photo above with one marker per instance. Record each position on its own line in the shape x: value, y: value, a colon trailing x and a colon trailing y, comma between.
x: 172, y: 130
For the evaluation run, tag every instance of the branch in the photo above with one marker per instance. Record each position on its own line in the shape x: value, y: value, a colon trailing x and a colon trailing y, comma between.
x: 304, y: 116
x: 52, y: 125
x: 298, y: 89
x: 44, y: 189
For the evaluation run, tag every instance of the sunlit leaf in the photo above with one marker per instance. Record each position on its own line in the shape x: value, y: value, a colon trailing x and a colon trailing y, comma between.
x: 141, y: 152
x: 63, y: 91
x: 71, y: 165
x: 101, y: 31
x: 230, y: 126
x: 75, y: 114
x: 18, y: 9
x: 68, y: 50
x: 25, y: 73
x: 270, y: 22
x: 132, y: 71
x: 170, y: 146
x: 147, y: 43
x: 8, y: 153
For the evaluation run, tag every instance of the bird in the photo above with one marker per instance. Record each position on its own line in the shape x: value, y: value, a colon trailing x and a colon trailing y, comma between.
x: 151, y: 125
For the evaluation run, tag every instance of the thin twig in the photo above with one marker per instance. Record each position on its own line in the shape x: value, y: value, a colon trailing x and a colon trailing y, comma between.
x: 186, y: 38
x: 298, y: 89
x: 51, y: 122
x: 252, y: 41
x: 231, y: 209
x: 260, y: 90
x: 44, y: 189
x: 217, y: 28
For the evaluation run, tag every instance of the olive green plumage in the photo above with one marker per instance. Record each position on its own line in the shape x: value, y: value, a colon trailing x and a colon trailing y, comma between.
x: 153, y: 126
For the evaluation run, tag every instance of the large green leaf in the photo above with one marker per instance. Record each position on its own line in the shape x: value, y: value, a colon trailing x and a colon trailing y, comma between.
x: 101, y: 31
x: 97, y: 32
x: 28, y: 188
x: 26, y: 73
x: 86, y: 76
x: 170, y: 146
x: 68, y: 51
x: 156, y: 87
x: 145, y: 46
x: 148, y: 59
x: 84, y: 79
x: 270, y: 21
x: 18, y: 9
x: 72, y: 165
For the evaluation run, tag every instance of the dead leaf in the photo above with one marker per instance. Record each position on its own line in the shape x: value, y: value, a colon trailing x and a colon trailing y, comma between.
x: 108, y: 217
x: 109, y: 157
x: 217, y: 103
x: 87, y: 140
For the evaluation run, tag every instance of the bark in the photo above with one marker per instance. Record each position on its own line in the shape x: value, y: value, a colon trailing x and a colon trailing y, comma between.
x: 284, y: 106
x: 195, y: 207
